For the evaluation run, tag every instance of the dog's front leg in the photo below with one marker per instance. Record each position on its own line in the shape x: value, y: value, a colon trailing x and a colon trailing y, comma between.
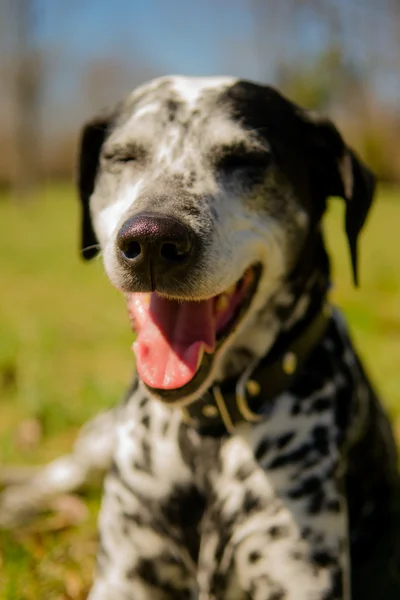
x: 26, y: 494
x: 145, y: 533
x: 138, y: 559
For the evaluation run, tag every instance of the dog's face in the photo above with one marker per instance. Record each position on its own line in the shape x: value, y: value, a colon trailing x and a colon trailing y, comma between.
x: 203, y: 194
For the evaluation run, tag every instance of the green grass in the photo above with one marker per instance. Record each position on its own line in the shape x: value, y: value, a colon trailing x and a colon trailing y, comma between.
x: 64, y: 355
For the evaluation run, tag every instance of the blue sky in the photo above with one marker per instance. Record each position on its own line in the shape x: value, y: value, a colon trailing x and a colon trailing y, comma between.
x: 179, y: 36
x: 149, y: 38
x: 192, y: 36
x: 154, y: 37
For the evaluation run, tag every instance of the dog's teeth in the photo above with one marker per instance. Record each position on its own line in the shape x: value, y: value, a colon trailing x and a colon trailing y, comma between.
x: 222, y: 302
x: 200, y: 359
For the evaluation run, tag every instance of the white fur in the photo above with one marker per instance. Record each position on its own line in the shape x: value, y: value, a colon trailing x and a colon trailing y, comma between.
x: 190, y: 88
x: 107, y: 220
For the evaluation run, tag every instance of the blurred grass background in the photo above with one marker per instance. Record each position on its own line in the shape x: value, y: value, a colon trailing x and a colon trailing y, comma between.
x: 65, y: 354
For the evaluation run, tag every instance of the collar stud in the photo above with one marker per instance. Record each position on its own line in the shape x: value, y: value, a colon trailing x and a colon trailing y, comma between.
x: 210, y: 411
x: 289, y: 363
x: 253, y: 387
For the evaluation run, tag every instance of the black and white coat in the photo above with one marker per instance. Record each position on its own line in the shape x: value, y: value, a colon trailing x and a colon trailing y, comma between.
x: 290, y: 508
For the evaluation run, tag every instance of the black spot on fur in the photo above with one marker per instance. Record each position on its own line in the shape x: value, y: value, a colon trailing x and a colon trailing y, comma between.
x: 343, y: 406
x: 284, y: 311
x: 322, y: 558
x: 223, y: 540
x: 262, y: 449
x: 145, y: 570
x: 114, y: 470
x: 172, y: 107
x: 310, y: 461
x: 263, y: 583
x: 255, y: 556
x: 145, y: 421
x: 142, y: 402
x: 321, y: 439
x: 145, y: 462
x: 308, y: 486
x: 219, y: 584
x: 184, y: 510
x: 284, y: 439
x: 291, y: 457
x: 333, y: 505
x: 321, y: 404
x: 277, y: 532
x: 251, y: 502
x: 316, y: 503
x: 277, y: 595
x: 296, y: 407
x: 135, y: 518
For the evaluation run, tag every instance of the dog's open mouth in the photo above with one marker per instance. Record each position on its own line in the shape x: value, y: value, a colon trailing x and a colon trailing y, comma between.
x: 175, y: 337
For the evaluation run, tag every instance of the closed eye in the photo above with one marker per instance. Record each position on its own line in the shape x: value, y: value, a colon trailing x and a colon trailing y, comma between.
x: 124, y: 158
x: 128, y: 154
x: 249, y: 159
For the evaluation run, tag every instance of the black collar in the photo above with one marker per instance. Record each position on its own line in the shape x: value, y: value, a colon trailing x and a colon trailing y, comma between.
x: 244, y: 399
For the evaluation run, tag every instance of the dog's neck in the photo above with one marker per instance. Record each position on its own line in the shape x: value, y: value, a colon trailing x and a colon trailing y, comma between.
x: 290, y: 325
x: 297, y: 300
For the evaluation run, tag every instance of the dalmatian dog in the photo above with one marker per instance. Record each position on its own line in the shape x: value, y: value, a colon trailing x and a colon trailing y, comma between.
x: 250, y: 458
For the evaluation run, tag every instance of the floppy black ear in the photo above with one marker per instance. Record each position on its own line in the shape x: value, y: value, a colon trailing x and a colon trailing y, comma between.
x: 358, y: 201
x: 339, y: 172
x: 92, y: 138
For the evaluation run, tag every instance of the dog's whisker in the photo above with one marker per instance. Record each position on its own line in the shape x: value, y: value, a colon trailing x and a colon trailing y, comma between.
x: 93, y: 246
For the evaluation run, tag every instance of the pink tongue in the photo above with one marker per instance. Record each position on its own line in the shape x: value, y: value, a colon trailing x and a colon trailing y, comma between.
x: 171, y: 338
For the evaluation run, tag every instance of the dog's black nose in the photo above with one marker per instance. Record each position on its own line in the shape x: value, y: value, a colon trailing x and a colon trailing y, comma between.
x: 153, y: 241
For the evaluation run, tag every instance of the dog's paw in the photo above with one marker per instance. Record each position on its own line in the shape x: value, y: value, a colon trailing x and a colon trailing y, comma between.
x: 19, y: 504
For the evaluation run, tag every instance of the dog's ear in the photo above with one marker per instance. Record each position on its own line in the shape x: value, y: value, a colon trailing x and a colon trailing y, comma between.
x: 339, y: 172
x: 92, y: 138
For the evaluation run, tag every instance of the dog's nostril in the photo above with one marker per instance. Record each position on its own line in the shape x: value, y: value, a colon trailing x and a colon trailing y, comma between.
x: 131, y: 250
x: 173, y: 252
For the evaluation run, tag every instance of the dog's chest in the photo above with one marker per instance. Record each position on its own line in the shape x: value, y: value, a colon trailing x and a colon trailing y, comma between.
x: 266, y: 494
x: 300, y: 429
x: 289, y: 458
x: 267, y: 497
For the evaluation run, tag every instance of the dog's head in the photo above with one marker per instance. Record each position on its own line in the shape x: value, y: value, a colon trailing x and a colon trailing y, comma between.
x: 202, y: 195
